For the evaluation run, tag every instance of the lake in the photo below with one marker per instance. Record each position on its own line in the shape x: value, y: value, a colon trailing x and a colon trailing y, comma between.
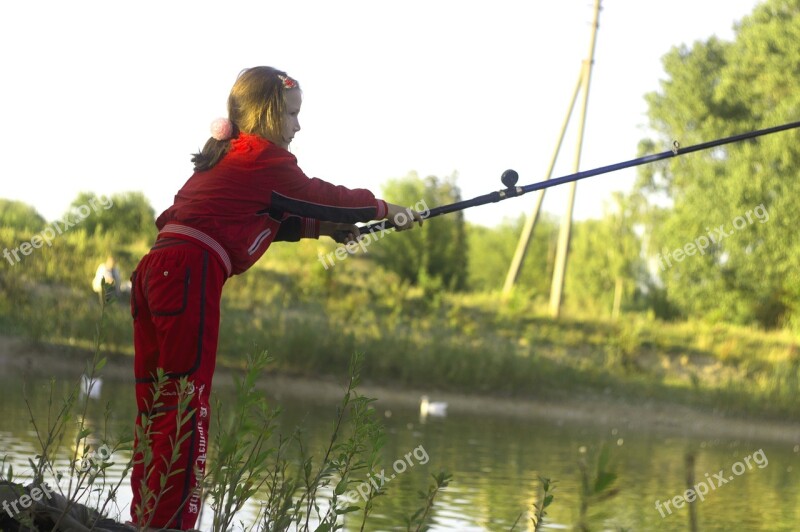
x: 750, y: 483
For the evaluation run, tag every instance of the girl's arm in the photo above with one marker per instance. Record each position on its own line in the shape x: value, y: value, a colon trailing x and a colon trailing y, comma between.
x: 290, y: 191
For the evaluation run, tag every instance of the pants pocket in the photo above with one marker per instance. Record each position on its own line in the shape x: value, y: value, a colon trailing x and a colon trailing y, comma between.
x: 168, y: 289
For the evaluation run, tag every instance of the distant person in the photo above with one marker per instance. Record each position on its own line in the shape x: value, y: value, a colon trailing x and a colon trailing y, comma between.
x: 107, y: 271
x: 245, y: 193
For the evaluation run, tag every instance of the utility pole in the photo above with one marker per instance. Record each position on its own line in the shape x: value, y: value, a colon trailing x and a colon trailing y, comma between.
x: 557, y: 285
x: 524, y: 241
x: 530, y: 222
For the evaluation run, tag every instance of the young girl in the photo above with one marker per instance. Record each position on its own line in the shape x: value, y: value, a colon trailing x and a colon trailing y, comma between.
x: 246, y: 192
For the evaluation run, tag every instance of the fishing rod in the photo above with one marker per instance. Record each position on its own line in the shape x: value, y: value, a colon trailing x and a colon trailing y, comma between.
x: 510, y: 177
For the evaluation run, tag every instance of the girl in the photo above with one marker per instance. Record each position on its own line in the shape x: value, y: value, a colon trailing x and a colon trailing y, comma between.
x: 246, y: 192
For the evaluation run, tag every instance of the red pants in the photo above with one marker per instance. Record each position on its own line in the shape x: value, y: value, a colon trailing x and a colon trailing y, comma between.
x: 175, y: 302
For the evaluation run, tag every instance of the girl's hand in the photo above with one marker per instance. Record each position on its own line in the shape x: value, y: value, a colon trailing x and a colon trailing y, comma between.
x: 341, y: 233
x: 402, y: 218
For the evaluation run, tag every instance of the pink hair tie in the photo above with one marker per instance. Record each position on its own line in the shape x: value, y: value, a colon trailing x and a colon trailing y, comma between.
x: 222, y: 129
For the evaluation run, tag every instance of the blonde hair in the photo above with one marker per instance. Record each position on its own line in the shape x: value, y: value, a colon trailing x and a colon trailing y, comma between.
x: 256, y: 106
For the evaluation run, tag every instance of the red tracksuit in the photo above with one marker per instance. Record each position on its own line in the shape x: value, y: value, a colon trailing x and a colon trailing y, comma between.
x: 222, y: 221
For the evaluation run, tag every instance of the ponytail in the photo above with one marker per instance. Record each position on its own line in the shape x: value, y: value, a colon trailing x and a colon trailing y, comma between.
x: 222, y: 131
x: 211, y: 154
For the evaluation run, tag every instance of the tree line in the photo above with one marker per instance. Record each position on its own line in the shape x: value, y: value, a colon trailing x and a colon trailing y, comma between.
x: 709, y: 235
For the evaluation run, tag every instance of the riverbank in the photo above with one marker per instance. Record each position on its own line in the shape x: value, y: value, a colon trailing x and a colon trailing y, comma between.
x: 660, y: 417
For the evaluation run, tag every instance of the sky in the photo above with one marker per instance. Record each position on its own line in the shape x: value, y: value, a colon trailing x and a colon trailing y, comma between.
x: 110, y: 97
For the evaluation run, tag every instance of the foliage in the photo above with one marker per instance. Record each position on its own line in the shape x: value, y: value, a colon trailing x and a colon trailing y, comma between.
x: 20, y: 216
x: 596, y: 487
x: 491, y: 251
x: 420, y: 517
x: 85, y: 480
x: 142, y: 452
x: 127, y: 216
x: 435, y: 254
x: 605, y: 262
x: 547, y: 500
x: 243, y: 453
x: 250, y: 459
x: 714, y: 89
x: 312, y: 318
x: 540, y: 508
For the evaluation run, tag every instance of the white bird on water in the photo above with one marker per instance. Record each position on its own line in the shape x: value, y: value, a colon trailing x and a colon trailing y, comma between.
x: 91, y: 387
x: 428, y: 408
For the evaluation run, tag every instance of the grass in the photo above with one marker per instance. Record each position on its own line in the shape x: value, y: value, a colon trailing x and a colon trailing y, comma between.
x: 311, y: 320
x: 475, y: 344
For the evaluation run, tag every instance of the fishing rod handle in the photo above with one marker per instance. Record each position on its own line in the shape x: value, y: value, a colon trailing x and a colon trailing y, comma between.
x: 492, y: 197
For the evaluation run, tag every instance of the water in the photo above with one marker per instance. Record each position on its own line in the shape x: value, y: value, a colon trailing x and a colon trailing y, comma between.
x: 495, y: 462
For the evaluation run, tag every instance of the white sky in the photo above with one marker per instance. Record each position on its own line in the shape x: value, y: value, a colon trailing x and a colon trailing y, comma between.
x: 109, y: 97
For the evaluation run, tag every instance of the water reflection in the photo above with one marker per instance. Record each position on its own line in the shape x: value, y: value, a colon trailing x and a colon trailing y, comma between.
x: 495, y: 462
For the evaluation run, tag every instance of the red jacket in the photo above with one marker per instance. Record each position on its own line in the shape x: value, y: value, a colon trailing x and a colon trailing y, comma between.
x: 255, y: 195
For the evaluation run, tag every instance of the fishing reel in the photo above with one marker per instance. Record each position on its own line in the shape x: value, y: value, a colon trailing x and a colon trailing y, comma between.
x: 509, y: 178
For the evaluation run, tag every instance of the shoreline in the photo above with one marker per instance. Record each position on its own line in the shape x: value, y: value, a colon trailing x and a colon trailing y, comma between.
x: 22, y: 356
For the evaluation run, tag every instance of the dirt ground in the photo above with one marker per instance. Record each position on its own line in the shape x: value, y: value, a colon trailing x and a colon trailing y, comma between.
x: 21, y: 357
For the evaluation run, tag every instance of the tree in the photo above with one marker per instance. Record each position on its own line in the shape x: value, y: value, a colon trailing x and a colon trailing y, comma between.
x: 492, y: 248
x: 128, y: 216
x: 20, y: 216
x: 437, y: 252
x: 747, y: 272
x: 605, y: 257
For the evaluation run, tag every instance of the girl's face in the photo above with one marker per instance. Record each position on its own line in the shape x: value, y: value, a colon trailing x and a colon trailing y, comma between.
x: 291, y: 123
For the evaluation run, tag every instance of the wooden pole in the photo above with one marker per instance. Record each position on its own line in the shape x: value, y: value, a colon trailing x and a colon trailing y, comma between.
x: 530, y: 222
x: 557, y: 285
